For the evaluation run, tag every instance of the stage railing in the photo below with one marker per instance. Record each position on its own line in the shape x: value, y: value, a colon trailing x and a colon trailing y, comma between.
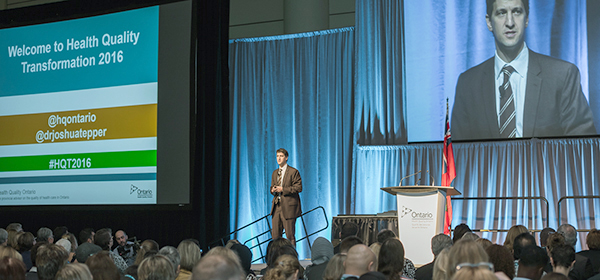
x: 266, y: 219
x: 541, y: 198
x: 564, y: 198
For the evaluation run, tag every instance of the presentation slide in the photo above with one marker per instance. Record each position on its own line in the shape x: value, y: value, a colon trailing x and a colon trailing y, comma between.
x: 78, y: 111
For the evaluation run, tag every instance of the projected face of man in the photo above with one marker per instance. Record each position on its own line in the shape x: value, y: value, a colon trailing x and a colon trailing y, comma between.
x: 281, y: 159
x: 121, y: 238
x: 507, y: 22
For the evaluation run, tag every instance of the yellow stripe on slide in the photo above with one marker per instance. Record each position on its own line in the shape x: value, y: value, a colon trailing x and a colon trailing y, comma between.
x: 80, y: 125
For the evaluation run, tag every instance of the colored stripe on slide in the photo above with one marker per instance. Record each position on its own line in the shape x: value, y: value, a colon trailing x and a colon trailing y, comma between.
x: 81, y: 125
x: 79, y: 161
x: 79, y: 178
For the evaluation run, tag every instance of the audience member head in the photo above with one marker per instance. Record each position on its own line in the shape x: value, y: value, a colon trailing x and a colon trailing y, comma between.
x: 335, y: 267
x: 287, y: 268
x: 360, y: 260
x: 230, y: 254
x: 349, y: 242
x: 172, y: 255
x: 217, y: 267
x: 532, y: 262
x: 459, y: 231
x: 49, y: 260
x: 512, y: 234
x: 391, y: 258
x: 11, y: 253
x: 245, y: 256
x: 349, y: 229
x: 15, y: 226
x: 555, y: 276
x: 104, y: 239
x: 521, y: 241
x: 231, y: 242
x: 86, y: 235
x: 465, y: 251
x: 74, y: 271
x: 593, y: 239
x: 474, y: 272
x: 85, y: 250
x: 133, y: 272
x: 279, y: 251
x: 502, y: 259
x: 384, y: 235
x: 158, y: 267
x: 12, y: 238
x: 485, y: 243
x: 439, y: 243
x: 376, y: 248
x: 273, y: 244
x: 544, y: 236
x: 3, y: 237
x: 554, y: 240
x: 12, y: 269
x: 322, y: 251
x: 59, y: 232
x: 102, y: 266
x: 440, y: 265
x: 372, y: 275
x: 146, y: 246
x: 570, y: 234
x: 65, y: 244
x: 562, y: 258
x: 25, y: 240
x: 121, y: 237
x: 190, y: 254
x: 34, y: 250
x: 45, y: 234
x: 470, y: 236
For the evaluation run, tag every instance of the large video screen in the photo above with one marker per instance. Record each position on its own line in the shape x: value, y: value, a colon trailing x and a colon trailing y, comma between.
x: 95, y: 110
x: 449, y: 63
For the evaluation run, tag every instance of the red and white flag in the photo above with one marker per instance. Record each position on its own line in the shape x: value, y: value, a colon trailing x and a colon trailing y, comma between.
x: 449, y: 172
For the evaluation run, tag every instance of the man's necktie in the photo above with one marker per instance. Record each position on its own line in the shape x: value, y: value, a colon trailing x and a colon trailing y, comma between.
x: 280, y: 182
x: 508, y: 122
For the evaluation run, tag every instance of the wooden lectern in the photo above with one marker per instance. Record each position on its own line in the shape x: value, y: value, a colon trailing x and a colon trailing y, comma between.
x: 421, y: 212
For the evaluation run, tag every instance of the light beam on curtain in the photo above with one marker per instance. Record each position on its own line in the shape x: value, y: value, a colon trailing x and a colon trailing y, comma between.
x: 291, y: 92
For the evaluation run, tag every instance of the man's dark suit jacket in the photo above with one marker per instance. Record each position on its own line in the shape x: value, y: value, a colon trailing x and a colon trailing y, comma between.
x: 425, y: 272
x: 554, y: 102
x: 290, y: 200
x: 594, y: 256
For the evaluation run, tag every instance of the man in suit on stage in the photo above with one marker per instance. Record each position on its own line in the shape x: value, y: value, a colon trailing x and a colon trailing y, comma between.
x: 518, y: 93
x: 285, y: 208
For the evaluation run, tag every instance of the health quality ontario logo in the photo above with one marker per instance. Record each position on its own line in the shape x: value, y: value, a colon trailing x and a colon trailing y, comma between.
x: 415, y: 215
x: 140, y: 193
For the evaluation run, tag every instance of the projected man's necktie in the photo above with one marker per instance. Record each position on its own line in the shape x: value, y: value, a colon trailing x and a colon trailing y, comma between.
x: 508, y: 122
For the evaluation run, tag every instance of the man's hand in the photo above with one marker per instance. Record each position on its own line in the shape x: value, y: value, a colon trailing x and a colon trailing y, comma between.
x: 276, y: 189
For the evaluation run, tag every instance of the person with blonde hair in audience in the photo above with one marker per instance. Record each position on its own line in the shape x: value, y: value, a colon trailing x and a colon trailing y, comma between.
x: 513, y: 232
x: 222, y: 251
x: 335, y: 267
x: 485, y: 243
x: 465, y: 251
x: 74, y: 271
x: 102, y: 266
x: 157, y: 267
x: 147, y: 245
x: 12, y: 269
x: 440, y: 265
x: 190, y: 256
x: 474, y: 272
x: 287, y: 268
x: 217, y: 267
x: 12, y: 238
x: 10, y: 252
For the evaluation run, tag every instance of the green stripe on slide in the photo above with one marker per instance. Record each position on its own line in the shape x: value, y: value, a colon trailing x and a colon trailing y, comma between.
x: 79, y: 161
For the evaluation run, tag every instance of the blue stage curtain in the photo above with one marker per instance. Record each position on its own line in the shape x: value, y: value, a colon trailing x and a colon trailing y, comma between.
x: 292, y: 92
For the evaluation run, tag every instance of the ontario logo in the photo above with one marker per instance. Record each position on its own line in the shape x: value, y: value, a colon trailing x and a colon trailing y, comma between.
x: 416, y: 215
x: 140, y: 193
